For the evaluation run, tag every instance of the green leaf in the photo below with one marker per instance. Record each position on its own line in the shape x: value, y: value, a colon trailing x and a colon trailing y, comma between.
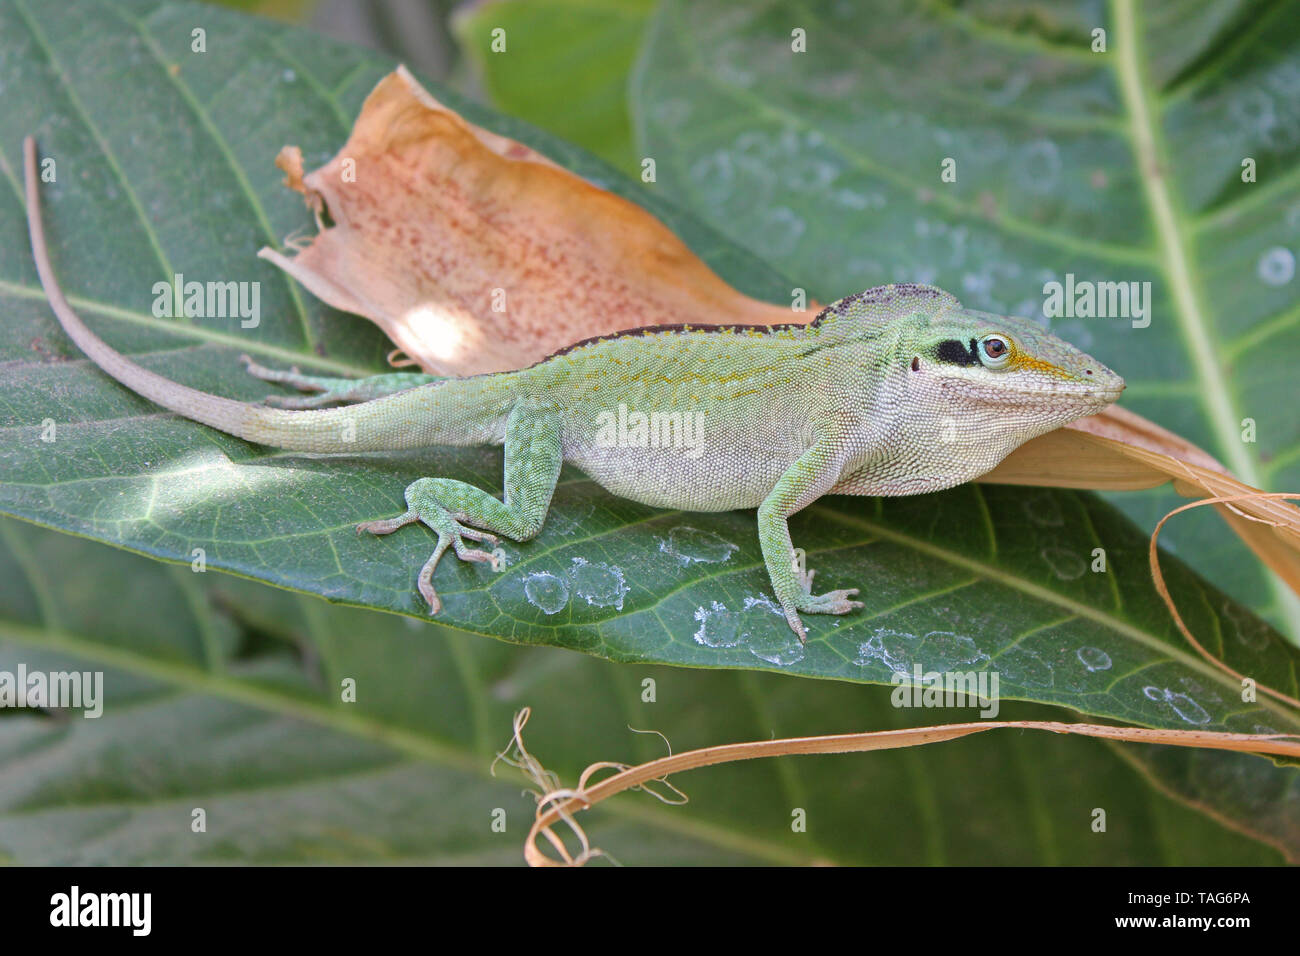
x: 227, y: 698
x: 1119, y: 166
x: 564, y: 66
x: 167, y: 170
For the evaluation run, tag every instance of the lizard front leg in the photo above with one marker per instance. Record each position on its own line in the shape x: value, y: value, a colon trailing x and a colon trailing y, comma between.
x: 456, y: 510
x: 815, y: 472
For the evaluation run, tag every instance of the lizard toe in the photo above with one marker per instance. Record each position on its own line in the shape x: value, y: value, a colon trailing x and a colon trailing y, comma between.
x: 832, y: 602
x: 386, y: 525
x: 476, y: 554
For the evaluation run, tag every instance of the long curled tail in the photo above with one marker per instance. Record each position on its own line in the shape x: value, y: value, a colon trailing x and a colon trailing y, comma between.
x: 451, y: 412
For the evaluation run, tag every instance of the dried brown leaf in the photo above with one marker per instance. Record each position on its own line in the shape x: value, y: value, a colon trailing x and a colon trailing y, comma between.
x: 436, y: 220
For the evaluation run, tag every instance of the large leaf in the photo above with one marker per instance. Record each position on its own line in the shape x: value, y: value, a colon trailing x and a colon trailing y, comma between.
x: 1117, y: 166
x: 226, y: 697
x: 166, y: 170
x: 566, y: 60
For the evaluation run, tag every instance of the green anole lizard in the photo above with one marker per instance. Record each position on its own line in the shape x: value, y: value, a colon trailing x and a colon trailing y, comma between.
x: 897, y: 390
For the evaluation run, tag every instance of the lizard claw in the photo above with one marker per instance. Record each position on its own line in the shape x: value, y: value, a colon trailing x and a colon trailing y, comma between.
x: 291, y: 377
x: 387, y: 525
x: 474, y: 534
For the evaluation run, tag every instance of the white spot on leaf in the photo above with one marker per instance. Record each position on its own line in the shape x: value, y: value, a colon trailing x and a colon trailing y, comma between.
x: 719, y: 627
x: 547, y: 592
x: 1093, y: 658
x: 1276, y: 266
x: 690, y: 545
x: 601, y: 585
x: 1186, y: 708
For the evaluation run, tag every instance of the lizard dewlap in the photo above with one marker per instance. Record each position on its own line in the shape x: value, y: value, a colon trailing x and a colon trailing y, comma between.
x: 897, y: 390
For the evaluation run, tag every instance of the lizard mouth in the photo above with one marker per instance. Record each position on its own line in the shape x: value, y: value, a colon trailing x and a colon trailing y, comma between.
x: 1073, y: 396
x: 1090, y: 395
x: 1094, y: 396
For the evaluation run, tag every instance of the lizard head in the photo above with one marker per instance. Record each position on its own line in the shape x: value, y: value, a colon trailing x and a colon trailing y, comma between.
x: 975, y: 386
x: 964, y: 359
x: 978, y: 359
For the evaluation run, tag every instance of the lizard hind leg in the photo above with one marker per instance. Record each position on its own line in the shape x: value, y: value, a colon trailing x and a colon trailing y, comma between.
x: 457, y: 511
x: 326, y: 390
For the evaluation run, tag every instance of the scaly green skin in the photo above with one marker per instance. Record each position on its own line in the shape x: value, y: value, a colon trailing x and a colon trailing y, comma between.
x: 892, y: 391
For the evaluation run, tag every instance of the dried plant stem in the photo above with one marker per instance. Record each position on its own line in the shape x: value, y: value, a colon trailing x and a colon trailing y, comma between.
x: 1162, y: 589
x: 557, y: 805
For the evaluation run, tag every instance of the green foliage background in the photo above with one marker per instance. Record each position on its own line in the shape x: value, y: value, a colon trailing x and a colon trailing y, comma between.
x: 223, y: 693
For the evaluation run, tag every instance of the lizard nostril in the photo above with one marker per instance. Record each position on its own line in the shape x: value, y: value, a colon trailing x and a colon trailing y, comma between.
x: 1087, y: 371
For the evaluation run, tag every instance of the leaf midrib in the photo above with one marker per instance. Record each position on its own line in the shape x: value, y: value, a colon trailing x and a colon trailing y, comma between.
x: 1174, y: 230
x: 854, y: 158
x: 1154, y: 172
x: 1153, y: 165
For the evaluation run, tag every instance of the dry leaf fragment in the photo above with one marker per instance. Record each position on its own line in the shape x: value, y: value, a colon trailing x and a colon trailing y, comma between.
x: 475, y: 253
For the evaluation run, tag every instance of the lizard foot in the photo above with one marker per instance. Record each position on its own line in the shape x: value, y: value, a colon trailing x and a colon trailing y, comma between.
x: 451, y: 533
x: 328, y: 390
x: 832, y: 602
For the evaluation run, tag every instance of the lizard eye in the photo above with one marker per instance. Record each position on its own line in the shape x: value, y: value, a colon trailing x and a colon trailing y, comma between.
x: 995, y: 351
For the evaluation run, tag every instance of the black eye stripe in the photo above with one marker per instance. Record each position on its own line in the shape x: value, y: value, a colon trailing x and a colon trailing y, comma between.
x: 954, y: 353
